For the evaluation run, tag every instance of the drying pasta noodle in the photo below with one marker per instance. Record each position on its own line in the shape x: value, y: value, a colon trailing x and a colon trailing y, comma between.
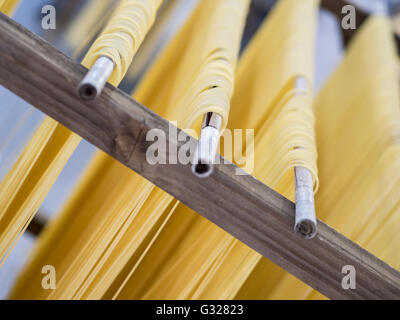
x: 88, y: 24
x: 358, y: 113
x: 119, y: 237
x: 102, y: 232
x: 205, y: 262
x: 133, y: 282
x: 8, y: 6
x: 20, y: 198
x: 31, y: 178
x: 171, y: 16
x: 16, y: 129
x: 123, y: 35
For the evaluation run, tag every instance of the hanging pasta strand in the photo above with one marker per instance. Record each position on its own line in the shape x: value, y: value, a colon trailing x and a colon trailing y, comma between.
x: 120, y: 237
x: 8, y: 7
x: 32, y: 176
x: 89, y: 22
x: 112, y: 53
x: 358, y: 113
x: 206, y: 262
x: 217, y: 76
x: 120, y: 229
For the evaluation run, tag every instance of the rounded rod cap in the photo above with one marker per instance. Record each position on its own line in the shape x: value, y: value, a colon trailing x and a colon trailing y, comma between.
x: 206, y: 151
x: 306, y: 221
x: 93, y: 83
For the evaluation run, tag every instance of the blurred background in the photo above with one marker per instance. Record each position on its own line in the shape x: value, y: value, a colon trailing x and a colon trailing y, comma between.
x: 18, y: 120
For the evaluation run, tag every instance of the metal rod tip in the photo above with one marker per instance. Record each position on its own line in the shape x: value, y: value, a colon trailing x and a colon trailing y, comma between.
x: 305, y: 220
x: 202, y: 170
x: 306, y: 228
x: 87, y: 92
x: 93, y: 83
x: 206, y: 151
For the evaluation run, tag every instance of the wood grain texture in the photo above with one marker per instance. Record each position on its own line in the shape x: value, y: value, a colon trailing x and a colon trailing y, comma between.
x: 241, y: 205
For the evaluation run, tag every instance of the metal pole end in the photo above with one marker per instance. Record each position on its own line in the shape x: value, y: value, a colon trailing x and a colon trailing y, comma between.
x: 202, y: 170
x: 305, y: 220
x: 306, y: 228
x: 87, y: 92
x: 93, y: 83
x: 207, y: 147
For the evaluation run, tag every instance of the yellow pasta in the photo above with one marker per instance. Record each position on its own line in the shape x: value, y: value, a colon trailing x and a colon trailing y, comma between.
x: 204, y: 81
x: 132, y: 283
x: 24, y: 188
x: 8, y: 6
x: 88, y: 23
x: 358, y: 130
x: 120, y: 237
x: 207, y: 263
x: 120, y: 229
x: 51, y: 146
x: 123, y: 35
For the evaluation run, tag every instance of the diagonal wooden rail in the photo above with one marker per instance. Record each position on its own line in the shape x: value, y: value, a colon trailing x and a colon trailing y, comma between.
x: 241, y: 205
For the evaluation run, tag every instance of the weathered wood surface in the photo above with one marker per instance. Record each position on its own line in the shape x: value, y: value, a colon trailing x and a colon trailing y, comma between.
x: 241, y: 205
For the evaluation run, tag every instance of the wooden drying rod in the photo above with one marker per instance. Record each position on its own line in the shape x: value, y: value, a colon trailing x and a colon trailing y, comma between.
x: 241, y: 205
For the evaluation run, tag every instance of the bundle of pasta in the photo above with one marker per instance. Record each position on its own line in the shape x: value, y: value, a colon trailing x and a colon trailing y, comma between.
x: 8, y: 6
x: 89, y: 22
x: 123, y: 35
x: 192, y: 258
x: 358, y: 131
x: 115, y: 217
x: 31, y: 178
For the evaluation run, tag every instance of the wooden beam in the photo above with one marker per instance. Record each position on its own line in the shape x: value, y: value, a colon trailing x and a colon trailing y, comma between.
x: 241, y: 205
